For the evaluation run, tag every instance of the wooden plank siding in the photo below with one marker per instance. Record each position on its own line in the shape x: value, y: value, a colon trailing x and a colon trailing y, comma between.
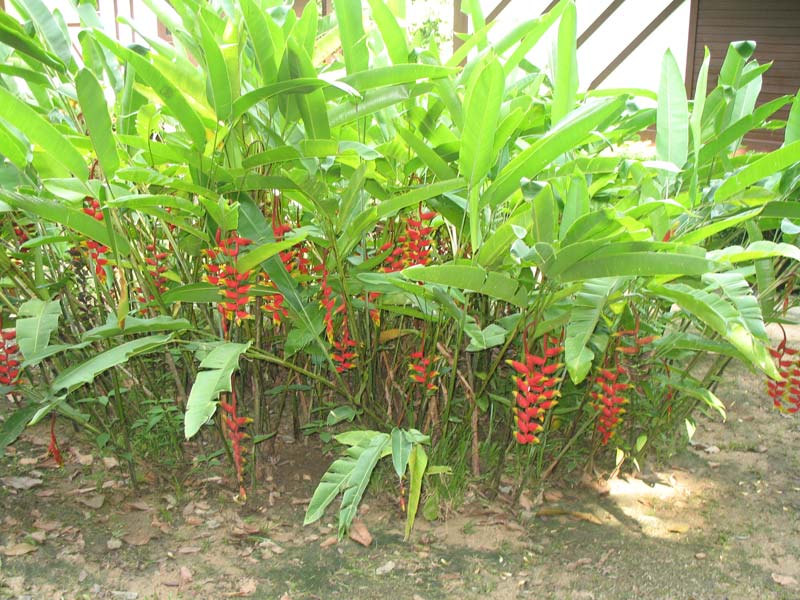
x: 775, y: 27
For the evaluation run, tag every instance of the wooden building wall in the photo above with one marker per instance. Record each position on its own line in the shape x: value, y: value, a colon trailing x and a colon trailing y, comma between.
x: 775, y: 27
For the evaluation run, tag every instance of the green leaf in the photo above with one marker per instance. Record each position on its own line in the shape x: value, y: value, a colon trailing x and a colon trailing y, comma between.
x: 193, y: 292
x: 417, y: 463
x: 339, y: 474
x: 767, y: 165
x: 587, y: 308
x: 401, y: 450
x: 358, y: 480
x: 672, y: 120
x: 566, y: 66
x: 36, y: 321
x: 135, y: 326
x: 482, y: 103
x: 67, y: 216
x: 12, y: 34
x: 260, y: 253
x: 98, y: 122
x: 792, y: 133
x: 722, y: 318
x: 636, y: 264
x: 428, y: 155
x: 494, y: 284
x: 489, y: 337
x: 394, y: 38
x: 214, y: 378
x: 163, y: 87
x: 572, y: 131
x: 354, y: 39
x: 257, y: 22
x: 300, y: 85
x: 43, y: 17
x: 218, y: 84
x: 74, y: 377
x: 15, y: 424
x: 41, y: 132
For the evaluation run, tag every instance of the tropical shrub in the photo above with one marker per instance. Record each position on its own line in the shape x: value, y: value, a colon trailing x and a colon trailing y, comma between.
x: 302, y: 218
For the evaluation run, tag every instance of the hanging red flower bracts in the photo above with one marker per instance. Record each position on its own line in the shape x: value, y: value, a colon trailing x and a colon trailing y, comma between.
x: 537, y: 390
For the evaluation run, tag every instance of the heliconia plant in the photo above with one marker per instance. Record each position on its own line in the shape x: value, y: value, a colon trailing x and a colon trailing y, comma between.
x: 441, y: 247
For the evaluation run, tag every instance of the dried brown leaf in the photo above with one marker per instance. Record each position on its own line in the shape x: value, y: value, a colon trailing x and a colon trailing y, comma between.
x: 783, y: 579
x: 94, y: 501
x: 18, y: 549
x: 360, y: 534
x: 21, y: 483
x: 138, y: 538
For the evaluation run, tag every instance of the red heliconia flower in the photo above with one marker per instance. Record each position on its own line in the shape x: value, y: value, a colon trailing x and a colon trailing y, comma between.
x: 413, y: 248
x: 536, y: 389
x: 156, y: 267
x: 343, y: 355
x: 234, y: 285
x: 785, y: 394
x: 234, y: 425
x: 607, y: 388
x: 422, y: 372
x: 9, y: 356
x: 53, y: 447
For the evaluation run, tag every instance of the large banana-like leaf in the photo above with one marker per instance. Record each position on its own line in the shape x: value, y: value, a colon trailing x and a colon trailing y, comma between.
x: 759, y: 169
x: 565, y: 77
x: 74, y: 377
x: 495, y: 284
x: 36, y: 321
x: 587, y: 309
x: 417, y: 463
x: 722, y: 317
x: 98, y: 121
x: 672, y: 128
x: 213, y: 379
x: 359, y: 479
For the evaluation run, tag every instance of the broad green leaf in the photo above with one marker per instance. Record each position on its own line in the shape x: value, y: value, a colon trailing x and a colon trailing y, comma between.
x: 214, y: 377
x: 388, y: 76
x: 12, y: 34
x: 193, y: 292
x: 417, y: 463
x: 44, y: 19
x: 636, y: 264
x: 41, y: 132
x: 495, y: 284
x: 565, y: 78
x: 351, y: 30
x: 15, y: 424
x: 401, y: 450
x: 74, y: 377
x: 358, y: 480
x: 300, y: 85
x: 163, y: 87
x: 69, y: 217
x: 587, y: 308
x: 735, y: 287
x: 259, y: 254
x: 490, y: 336
x: 765, y: 166
x: 672, y: 120
x: 755, y: 251
x: 572, y: 131
x: 218, y: 83
x: 428, y: 155
x: 394, y: 38
x: 721, y: 317
x: 135, y: 326
x: 482, y: 103
x: 257, y: 22
x: 36, y: 321
x: 98, y: 122
x: 14, y: 147
x: 792, y: 133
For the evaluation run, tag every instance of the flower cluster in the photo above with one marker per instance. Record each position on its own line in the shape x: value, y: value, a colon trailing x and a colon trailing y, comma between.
x: 608, y: 387
x: 536, y: 389
x: 344, y: 354
x: 9, y: 356
x: 614, y: 379
x: 96, y: 249
x: 233, y: 425
x: 328, y: 301
x: 156, y: 267
x: 295, y: 258
x: 785, y: 394
x: 422, y: 372
x: 22, y: 233
x: 234, y: 285
x: 414, y: 247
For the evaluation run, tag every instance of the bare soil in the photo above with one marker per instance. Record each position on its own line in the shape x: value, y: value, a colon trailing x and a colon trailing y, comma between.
x: 719, y: 521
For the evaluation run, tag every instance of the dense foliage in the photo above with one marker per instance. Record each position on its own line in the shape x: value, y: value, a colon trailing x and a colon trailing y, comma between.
x: 282, y: 217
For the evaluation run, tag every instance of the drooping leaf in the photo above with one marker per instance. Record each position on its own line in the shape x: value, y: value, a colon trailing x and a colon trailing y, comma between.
x: 358, y: 480
x: 417, y: 463
x: 587, y: 308
x: 36, y: 321
x: 566, y: 65
x: 74, y: 377
x: 757, y: 170
x: 213, y: 378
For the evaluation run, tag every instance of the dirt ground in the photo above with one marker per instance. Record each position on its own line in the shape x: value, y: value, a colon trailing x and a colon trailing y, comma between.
x: 719, y: 521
